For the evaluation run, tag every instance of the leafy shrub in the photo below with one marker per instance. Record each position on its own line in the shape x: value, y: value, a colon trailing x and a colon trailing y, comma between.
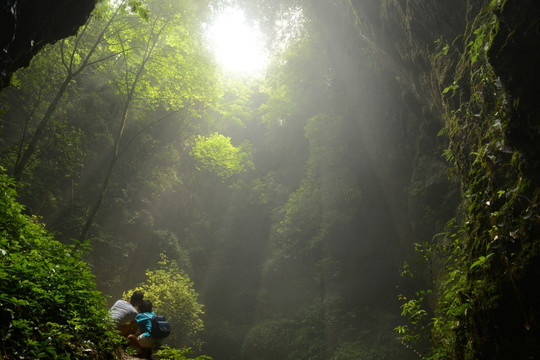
x: 172, y: 295
x: 49, y: 306
x: 216, y: 154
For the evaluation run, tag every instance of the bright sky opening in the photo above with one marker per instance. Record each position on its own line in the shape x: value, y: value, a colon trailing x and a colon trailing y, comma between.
x: 238, y: 45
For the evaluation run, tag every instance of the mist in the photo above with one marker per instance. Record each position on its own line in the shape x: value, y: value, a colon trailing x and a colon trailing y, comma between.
x: 369, y: 192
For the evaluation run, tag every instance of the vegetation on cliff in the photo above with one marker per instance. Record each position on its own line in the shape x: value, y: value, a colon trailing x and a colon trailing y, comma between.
x: 486, y: 305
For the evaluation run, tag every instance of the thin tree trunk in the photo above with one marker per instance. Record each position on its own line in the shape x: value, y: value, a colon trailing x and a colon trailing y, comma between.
x: 150, y: 46
x: 99, y: 201
x: 22, y: 161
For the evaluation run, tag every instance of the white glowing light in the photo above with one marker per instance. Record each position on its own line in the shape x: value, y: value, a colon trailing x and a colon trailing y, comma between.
x: 237, y: 45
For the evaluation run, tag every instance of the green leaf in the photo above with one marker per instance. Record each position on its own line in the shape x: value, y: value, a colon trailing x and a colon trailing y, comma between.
x: 481, y: 261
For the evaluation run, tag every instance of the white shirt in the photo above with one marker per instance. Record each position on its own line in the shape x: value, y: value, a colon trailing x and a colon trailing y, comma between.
x: 122, y: 312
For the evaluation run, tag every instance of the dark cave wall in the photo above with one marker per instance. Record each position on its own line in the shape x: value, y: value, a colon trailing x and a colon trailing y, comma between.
x: 28, y: 25
x: 512, y: 328
x: 515, y: 56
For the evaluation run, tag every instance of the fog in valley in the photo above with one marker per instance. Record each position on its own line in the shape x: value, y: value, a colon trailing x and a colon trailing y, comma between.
x: 297, y: 176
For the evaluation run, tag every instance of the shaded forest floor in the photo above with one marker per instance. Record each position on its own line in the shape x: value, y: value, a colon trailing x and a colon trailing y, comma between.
x: 125, y: 356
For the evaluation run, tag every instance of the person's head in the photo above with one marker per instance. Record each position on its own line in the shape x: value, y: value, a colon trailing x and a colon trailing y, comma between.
x: 145, y: 306
x: 136, y: 298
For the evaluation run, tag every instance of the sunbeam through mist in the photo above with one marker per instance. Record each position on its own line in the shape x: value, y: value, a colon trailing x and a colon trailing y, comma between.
x: 237, y: 44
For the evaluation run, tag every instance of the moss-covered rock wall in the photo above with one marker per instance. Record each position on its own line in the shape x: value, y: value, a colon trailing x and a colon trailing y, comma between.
x: 462, y: 83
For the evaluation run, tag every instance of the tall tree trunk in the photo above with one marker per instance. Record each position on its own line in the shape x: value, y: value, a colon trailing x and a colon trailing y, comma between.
x: 150, y: 46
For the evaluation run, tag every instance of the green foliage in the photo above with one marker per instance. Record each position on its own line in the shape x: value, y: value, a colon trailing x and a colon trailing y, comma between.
x: 49, y: 306
x: 481, y: 261
x: 172, y: 295
x: 324, y: 330
x: 481, y: 283
x: 168, y: 353
x: 133, y: 65
x: 304, y: 336
x: 136, y: 7
x: 452, y: 88
x: 368, y: 346
x: 162, y: 63
x: 216, y: 154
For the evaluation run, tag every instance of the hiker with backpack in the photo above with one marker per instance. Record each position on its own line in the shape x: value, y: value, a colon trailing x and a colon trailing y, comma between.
x: 152, y: 329
x: 123, y: 314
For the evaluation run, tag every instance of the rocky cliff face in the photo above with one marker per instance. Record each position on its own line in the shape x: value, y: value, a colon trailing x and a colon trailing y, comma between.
x: 516, y: 59
x: 26, y: 26
x: 467, y: 70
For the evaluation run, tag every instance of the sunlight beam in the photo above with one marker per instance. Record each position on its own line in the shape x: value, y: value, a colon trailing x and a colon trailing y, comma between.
x: 237, y: 45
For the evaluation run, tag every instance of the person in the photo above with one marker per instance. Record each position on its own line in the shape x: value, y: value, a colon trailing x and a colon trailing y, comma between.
x: 124, y: 312
x: 143, y: 340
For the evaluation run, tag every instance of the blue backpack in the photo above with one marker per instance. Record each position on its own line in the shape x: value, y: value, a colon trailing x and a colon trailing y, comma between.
x: 160, y: 327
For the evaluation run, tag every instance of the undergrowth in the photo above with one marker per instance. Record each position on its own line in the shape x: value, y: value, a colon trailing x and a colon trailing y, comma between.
x: 483, y: 308
x: 49, y: 305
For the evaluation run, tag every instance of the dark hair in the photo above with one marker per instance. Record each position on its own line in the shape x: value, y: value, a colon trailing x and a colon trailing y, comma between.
x: 136, y: 297
x: 145, y: 306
